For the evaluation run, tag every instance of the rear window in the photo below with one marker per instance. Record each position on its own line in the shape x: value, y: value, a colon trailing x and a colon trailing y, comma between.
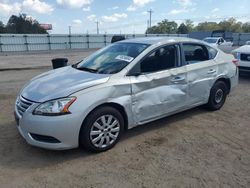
x: 211, y: 52
x: 195, y: 53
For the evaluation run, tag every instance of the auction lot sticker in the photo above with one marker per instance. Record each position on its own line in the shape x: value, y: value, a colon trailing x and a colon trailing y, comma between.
x: 124, y: 58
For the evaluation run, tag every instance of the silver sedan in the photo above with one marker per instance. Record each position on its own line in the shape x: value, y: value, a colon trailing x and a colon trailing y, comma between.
x: 121, y: 86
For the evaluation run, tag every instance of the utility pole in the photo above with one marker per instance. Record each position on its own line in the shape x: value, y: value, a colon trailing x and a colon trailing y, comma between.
x: 150, y: 17
x: 97, y: 27
x: 69, y: 30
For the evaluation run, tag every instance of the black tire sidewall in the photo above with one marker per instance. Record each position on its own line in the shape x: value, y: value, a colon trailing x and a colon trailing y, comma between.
x: 212, y: 104
x: 85, y: 140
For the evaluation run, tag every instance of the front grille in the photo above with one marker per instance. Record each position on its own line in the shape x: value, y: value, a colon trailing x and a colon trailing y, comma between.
x: 245, y: 57
x: 22, y: 105
x: 244, y: 68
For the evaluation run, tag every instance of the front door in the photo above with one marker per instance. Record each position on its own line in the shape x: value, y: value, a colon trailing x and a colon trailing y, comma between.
x: 161, y: 86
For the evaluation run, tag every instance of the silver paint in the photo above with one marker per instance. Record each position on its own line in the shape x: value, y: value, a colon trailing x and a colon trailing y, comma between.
x: 144, y: 98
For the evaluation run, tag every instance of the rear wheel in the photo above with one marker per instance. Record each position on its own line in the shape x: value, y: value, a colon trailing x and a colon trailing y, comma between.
x: 218, y: 95
x: 102, y: 129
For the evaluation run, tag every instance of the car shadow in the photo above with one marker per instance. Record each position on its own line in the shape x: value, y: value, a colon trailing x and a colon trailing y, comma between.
x: 163, y: 122
x: 18, y: 154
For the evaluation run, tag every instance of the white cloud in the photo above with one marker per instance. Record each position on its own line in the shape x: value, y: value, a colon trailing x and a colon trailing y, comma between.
x: 74, y: 3
x: 215, y: 10
x: 8, y: 9
x: 115, y: 7
x: 144, y: 13
x: 92, y: 17
x: 37, y: 6
x: 27, y: 6
x: 186, y: 6
x: 87, y: 9
x: 77, y: 22
x: 181, y: 10
x: 185, y: 3
x: 137, y: 4
x: 114, y: 18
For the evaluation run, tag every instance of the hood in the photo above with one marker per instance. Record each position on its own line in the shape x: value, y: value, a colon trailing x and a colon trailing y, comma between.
x: 243, y: 49
x: 60, y: 83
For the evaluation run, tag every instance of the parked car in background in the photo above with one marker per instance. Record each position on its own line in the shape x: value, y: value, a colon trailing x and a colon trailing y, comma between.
x: 219, y: 42
x: 119, y: 87
x: 243, y: 55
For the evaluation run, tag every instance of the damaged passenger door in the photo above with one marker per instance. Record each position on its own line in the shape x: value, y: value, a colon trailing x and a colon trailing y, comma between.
x: 158, y: 84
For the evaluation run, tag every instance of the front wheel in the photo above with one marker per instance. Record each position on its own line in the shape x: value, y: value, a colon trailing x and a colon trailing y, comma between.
x: 218, y: 95
x: 102, y: 129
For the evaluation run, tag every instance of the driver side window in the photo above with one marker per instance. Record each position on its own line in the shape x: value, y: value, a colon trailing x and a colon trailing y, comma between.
x: 163, y: 58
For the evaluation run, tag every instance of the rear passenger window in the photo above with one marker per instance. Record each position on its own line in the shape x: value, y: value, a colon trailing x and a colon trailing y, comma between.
x: 195, y: 53
x: 211, y: 52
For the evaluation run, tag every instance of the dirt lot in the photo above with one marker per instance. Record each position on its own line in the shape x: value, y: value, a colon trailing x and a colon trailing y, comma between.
x: 195, y: 148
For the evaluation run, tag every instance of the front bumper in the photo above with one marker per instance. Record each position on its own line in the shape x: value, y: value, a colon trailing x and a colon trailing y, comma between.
x: 244, y: 69
x: 64, y: 128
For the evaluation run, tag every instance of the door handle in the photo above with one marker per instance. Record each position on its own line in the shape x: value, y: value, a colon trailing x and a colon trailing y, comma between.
x: 177, y: 79
x: 211, y: 71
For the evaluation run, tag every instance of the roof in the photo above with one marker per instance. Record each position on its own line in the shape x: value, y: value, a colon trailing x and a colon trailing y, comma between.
x: 155, y: 40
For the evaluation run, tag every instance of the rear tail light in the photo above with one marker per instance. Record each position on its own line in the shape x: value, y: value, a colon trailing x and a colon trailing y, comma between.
x: 235, y: 62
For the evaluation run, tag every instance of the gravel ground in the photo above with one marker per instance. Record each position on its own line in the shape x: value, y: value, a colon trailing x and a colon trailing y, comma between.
x: 42, y: 59
x: 195, y: 148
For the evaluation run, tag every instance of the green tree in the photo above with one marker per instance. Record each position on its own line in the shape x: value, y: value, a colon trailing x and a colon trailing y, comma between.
x: 246, y: 27
x: 2, y: 28
x: 207, y: 26
x: 182, y: 29
x: 23, y: 25
x: 190, y: 25
x: 162, y: 27
x: 231, y: 25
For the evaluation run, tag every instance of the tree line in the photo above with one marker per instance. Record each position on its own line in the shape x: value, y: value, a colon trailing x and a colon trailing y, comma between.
x: 171, y: 27
x: 22, y: 24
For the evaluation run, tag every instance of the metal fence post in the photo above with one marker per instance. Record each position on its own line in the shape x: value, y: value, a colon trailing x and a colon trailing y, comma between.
x: 87, y: 40
x: 1, y: 44
x: 49, y: 43
x: 105, y: 40
x: 239, y: 39
x: 69, y: 41
x: 26, y: 42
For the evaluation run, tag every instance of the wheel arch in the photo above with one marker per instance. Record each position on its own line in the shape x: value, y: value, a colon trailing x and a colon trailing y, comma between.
x: 114, y: 105
x: 226, y: 81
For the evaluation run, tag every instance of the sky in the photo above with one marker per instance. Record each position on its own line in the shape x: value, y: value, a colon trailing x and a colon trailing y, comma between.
x: 121, y: 16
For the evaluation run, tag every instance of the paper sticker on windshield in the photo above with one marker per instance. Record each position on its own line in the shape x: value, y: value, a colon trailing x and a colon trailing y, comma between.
x: 124, y: 58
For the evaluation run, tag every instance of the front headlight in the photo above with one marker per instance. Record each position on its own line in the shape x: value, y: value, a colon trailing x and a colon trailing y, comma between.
x: 55, y: 107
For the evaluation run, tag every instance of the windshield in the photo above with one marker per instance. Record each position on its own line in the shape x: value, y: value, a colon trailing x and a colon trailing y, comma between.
x: 111, y: 59
x: 210, y: 40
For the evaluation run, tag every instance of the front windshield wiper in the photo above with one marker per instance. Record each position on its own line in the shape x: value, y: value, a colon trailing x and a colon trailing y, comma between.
x: 86, y: 69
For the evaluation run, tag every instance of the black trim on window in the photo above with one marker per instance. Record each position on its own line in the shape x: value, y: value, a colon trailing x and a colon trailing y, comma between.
x: 136, y: 70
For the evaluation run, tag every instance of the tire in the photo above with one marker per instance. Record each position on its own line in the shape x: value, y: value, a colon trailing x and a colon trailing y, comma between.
x: 218, y: 95
x: 102, y: 129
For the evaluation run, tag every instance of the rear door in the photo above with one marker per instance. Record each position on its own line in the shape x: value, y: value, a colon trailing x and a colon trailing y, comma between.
x: 201, y: 71
x: 161, y: 86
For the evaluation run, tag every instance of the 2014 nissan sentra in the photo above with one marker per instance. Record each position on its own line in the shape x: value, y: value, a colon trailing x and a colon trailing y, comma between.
x: 121, y: 86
